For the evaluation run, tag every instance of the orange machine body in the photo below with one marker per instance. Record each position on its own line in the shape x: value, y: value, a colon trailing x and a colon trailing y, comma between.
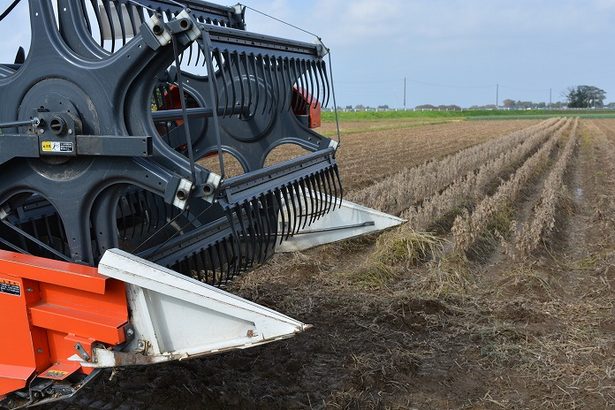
x: 304, y: 105
x: 50, y: 311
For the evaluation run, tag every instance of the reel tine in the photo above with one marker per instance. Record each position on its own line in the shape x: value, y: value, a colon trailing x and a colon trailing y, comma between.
x: 236, y: 58
x: 98, y: 16
x: 251, y: 234
x: 321, y: 199
x: 256, y: 85
x: 277, y: 67
x: 120, y: 17
x: 278, y: 204
x: 244, y: 58
x: 260, y: 63
x: 273, y: 84
x: 313, y: 197
x: 291, y: 215
x: 297, y: 197
x: 316, y: 79
x: 86, y: 17
x: 295, y: 83
x: 236, y: 241
x: 339, y: 181
x: 130, y: 9
x: 106, y: 5
x: 212, y: 264
x: 304, y: 196
x: 218, y: 57
x: 313, y: 83
x: 302, y: 87
x: 326, y: 79
x: 285, y: 86
x: 260, y: 228
x: 325, y: 89
x: 326, y: 175
x: 270, y: 225
x: 229, y: 64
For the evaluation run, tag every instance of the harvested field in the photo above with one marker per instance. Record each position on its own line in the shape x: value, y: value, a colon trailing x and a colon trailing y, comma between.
x: 498, y: 294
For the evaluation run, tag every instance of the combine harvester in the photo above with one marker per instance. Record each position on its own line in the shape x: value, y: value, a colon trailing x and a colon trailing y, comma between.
x: 114, y: 239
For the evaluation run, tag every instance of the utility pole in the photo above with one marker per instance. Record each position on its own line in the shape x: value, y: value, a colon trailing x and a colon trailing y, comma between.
x: 497, y: 96
x: 404, y: 93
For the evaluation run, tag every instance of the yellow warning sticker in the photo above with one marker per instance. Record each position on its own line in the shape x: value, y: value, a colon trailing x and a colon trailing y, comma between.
x: 47, y: 146
x: 57, y: 146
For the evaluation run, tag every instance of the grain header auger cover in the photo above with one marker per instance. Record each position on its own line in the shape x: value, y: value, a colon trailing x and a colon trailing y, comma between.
x: 103, y: 200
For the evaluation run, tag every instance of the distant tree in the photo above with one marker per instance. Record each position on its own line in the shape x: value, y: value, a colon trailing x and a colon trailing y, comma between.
x: 349, y: 107
x: 508, y: 103
x: 383, y: 107
x: 585, y: 96
x: 359, y: 107
x: 610, y: 106
x: 424, y: 107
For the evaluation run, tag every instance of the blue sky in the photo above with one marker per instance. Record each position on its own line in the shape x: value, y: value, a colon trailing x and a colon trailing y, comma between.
x: 452, y: 52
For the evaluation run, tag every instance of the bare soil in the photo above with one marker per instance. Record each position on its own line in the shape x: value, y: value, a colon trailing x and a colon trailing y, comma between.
x: 491, y: 333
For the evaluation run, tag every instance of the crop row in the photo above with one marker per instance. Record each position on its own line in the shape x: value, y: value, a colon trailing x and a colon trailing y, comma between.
x: 471, y: 187
x: 467, y: 228
x: 530, y: 234
x: 410, y: 186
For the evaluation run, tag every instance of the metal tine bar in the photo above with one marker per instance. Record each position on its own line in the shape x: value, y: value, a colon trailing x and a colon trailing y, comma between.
x: 302, y: 81
x: 329, y: 85
x: 313, y: 83
x: 244, y: 57
x: 273, y: 210
x: 251, y: 230
x: 331, y: 177
x: 274, y: 83
x: 94, y: 4
x: 130, y: 8
x: 285, y: 83
x: 309, y: 181
x: 252, y: 59
x: 325, y: 88
x: 306, y: 203
x: 339, y: 181
x: 229, y: 64
x: 212, y: 264
x: 306, y: 85
x: 261, y: 64
x: 323, y: 200
x: 300, y: 85
x: 244, y: 238
x: 272, y: 226
x: 291, y: 215
x: 198, y: 264
x: 227, y: 260
x: 316, y: 80
x: 260, y: 228
x: 190, y: 51
x: 319, y: 199
x: 295, y: 74
x: 268, y: 226
x: 277, y: 196
x: 328, y: 192
x: 236, y: 241
x: 191, y: 266
x: 106, y: 5
x: 198, y: 54
x: 308, y: 191
x: 86, y: 17
x: 144, y: 209
x: 326, y: 175
x: 218, y: 57
x: 308, y: 81
x: 218, y: 255
x: 120, y: 17
x: 297, y: 196
x: 202, y: 264
x: 236, y: 58
x: 247, y: 235
x: 203, y: 258
x: 276, y: 66
x: 270, y: 85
